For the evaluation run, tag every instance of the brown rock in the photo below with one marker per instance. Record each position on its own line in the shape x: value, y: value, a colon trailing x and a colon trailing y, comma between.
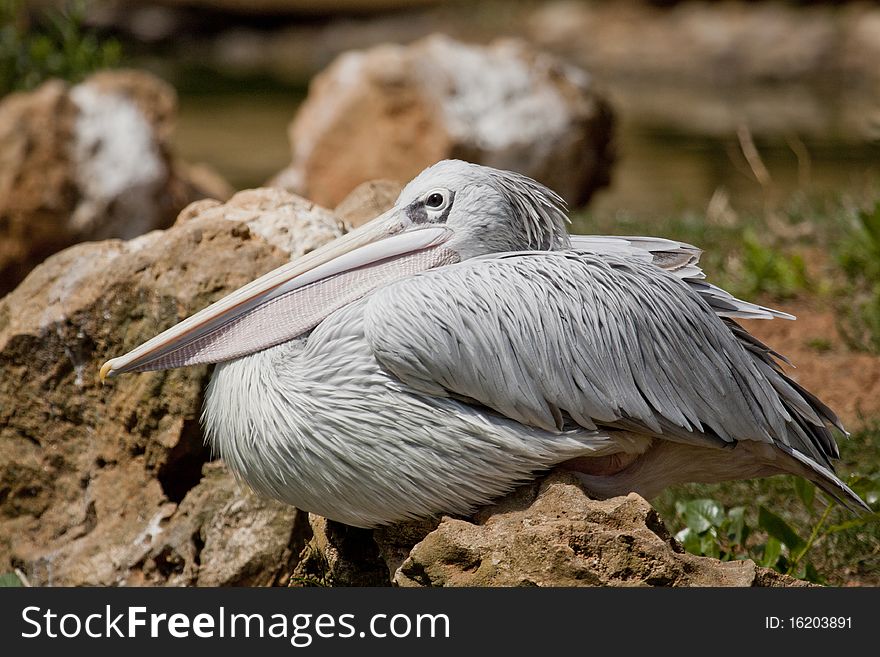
x: 396, y: 541
x: 338, y: 555
x: 552, y: 534
x: 219, y: 535
x: 36, y: 178
x: 728, y: 43
x: 87, y: 162
x: 390, y: 111
x: 247, y: 540
x: 366, y: 201
x: 91, y: 476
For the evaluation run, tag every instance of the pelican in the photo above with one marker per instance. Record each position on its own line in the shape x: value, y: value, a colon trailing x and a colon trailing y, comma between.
x: 463, y: 342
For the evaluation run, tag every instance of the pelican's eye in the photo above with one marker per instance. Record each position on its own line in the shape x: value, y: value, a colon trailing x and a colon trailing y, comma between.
x: 435, y: 201
x: 434, y: 206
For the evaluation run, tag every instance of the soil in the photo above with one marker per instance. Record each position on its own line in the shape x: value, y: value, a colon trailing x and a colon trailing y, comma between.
x: 848, y: 381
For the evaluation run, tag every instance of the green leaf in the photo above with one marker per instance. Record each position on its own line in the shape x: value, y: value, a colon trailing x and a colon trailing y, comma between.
x: 737, y: 532
x: 709, y: 545
x: 54, y: 44
x: 690, y: 540
x: 772, y: 552
x: 701, y: 514
x: 779, y: 529
x: 806, y: 491
x: 812, y: 575
x: 680, y: 508
x: 8, y: 580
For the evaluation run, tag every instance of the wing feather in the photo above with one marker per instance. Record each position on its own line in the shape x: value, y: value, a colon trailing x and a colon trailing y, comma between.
x: 681, y: 259
x: 547, y: 338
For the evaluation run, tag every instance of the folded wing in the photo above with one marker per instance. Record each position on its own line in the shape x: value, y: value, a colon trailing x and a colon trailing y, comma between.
x: 555, y: 338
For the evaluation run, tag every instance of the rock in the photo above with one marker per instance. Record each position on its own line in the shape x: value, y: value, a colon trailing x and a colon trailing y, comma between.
x: 366, y: 201
x: 731, y: 42
x: 390, y: 111
x: 156, y: 101
x: 219, y: 535
x: 552, y: 534
x: 89, y: 162
x: 396, y: 541
x: 246, y: 540
x: 288, y: 222
x: 338, y: 555
x: 36, y: 183
x: 103, y: 485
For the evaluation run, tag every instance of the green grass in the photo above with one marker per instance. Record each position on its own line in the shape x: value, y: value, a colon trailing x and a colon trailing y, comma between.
x: 858, y: 255
x: 10, y: 580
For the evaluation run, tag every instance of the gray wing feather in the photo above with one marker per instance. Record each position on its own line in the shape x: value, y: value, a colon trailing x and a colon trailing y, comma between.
x: 681, y: 259
x: 547, y: 338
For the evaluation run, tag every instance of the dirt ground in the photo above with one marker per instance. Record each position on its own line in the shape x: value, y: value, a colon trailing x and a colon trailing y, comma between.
x: 848, y: 381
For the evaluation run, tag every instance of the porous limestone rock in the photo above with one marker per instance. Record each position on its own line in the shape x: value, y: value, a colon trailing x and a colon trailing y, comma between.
x: 552, y: 534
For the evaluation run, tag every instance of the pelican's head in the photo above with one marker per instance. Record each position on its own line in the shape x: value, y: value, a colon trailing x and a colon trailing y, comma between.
x: 450, y: 212
x: 487, y: 210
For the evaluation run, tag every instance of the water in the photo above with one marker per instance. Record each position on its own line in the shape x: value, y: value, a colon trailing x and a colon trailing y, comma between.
x: 242, y: 136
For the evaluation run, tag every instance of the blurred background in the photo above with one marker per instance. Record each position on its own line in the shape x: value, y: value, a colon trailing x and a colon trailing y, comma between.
x: 751, y: 129
x: 688, y: 81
